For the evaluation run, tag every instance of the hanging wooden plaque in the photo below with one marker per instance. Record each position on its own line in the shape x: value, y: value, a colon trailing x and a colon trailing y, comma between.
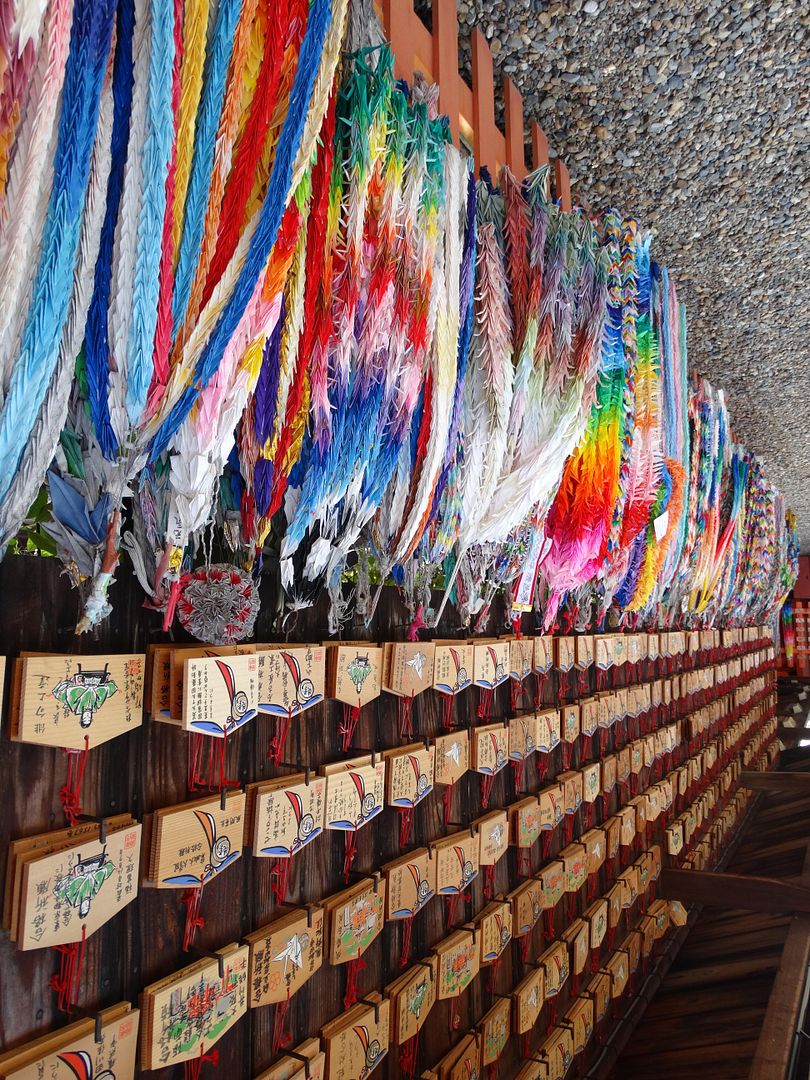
x: 409, y: 774
x: 490, y: 663
x: 548, y: 729
x: 564, y: 653
x: 457, y: 862
x: 189, y: 1011
x: 494, y: 925
x: 412, y: 996
x: 577, y: 937
x: 452, y: 757
x: 555, y: 963
x: 407, y: 667
x: 493, y: 836
x: 80, y: 1049
x: 558, y: 1053
x: 521, y: 652
x: 526, y: 821
x: 552, y: 883
x: 354, y: 672
x: 357, y: 1042
x: 291, y: 1068
x: 287, y: 814
x: 527, y: 906
x: 220, y: 695
x: 569, y: 723
x: 489, y: 748
x: 291, y: 678
x: 452, y: 666
x: 410, y: 883
x: 284, y: 955
x: 543, y: 659
x: 76, y: 701
x: 494, y: 1029
x: 355, y: 792
x: 522, y: 736
x: 77, y: 889
x: 355, y: 918
x: 596, y: 915
x: 464, y: 1060
x: 459, y: 959
x: 551, y: 801
x: 528, y: 997
x: 580, y: 1018
x: 194, y: 842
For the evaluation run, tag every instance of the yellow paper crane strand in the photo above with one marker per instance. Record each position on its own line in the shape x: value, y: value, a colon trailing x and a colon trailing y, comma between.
x: 195, y: 25
x: 252, y: 64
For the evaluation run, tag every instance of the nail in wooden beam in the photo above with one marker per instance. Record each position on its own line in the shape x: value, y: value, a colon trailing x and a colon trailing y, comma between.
x: 397, y: 16
x: 562, y: 183
x: 513, y: 114
x: 445, y: 61
x: 734, y: 891
x: 483, y: 89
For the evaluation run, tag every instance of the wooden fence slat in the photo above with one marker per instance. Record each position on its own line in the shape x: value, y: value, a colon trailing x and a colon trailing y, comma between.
x: 445, y: 61
x: 513, y: 117
x: 484, y: 130
x: 562, y: 183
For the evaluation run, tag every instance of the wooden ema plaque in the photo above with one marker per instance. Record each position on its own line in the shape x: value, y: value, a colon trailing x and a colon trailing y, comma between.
x: 610, y: 767
x: 527, y: 907
x: 193, y: 842
x: 543, y: 655
x: 74, y: 1051
x: 595, y: 849
x: 598, y: 990
x: 557, y: 1051
x: 286, y: 814
x: 457, y: 861
x: 452, y: 757
x: 495, y: 1030
x: 551, y: 801
x: 489, y: 748
x: 523, y: 732
x: 292, y: 1068
x: 75, y: 701
x: 555, y: 964
x: 548, y: 729
x: 178, y: 658
x: 526, y: 821
x: 584, y: 651
x: 189, y: 1011
x: 357, y: 1042
x: 490, y: 663
x: 521, y: 654
x: 70, y: 892
x: 574, y: 869
x: 463, y: 1062
x: 410, y: 883
x: 459, y: 959
x: 20, y: 851
x: 409, y: 774
x: 580, y: 1018
x: 354, y: 672
x: 589, y: 715
x: 616, y: 968
x: 452, y: 666
x: 565, y: 653
x: 355, y: 918
x: 528, y: 997
x: 577, y: 937
x: 412, y: 996
x: 355, y: 792
x: 220, y: 695
x: 603, y: 650
x: 407, y: 667
x: 493, y: 837
x: 291, y: 679
x: 551, y: 880
x: 591, y: 782
x: 284, y: 955
x: 569, y: 723
x: 572, y: 790
x: 494, y: 926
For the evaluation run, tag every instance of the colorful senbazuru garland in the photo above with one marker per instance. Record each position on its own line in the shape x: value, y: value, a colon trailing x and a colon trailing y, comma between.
x: 252, y: 298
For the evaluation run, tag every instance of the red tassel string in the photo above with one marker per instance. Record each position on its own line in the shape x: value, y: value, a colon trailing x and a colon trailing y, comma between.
x: 593, y: 881
x: 70, y: 793
x: 575, y: 981
x: 281, y: 1037
x: 518, y: 771
x: 493, y: 974
x: 455, y: 1015
x: 485, y: 702
x: 542, y: 764
x: 541, y: 685
x: 546, y: 842
x: 192, y: 899
x: 589, y: 807
x: 447, y: 802
x: 587, y: 743
x: 568, y: 826
x: 351, y: 714
x: 193, y: 1068
x: 548, y: 924
x: 66, y: 982
x: 492, y: 1071
x: 349, y: 853
x: 406, y: 817
x: 486, y: 789
x: 353, y: 988
x: 210, y: 776
x: 524, y: 943
x: 451, y: 909
x: 603, y: 740
x: 562, y: 686
x: 405, y: 725
x: 489, y: 882
x: 281, y: 727
x: 571, y: 905
x: 405, y: 949
x: 566, y: 755
x: 280, y: 879
x: 409, y: 1055
x: 552, y: 1015
x: 524, y: 862
x: 448, y: 717
x: 594, y: 961
x: 601, y: 678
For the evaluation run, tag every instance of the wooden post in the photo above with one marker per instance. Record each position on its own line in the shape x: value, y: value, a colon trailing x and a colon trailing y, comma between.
x: 539, y: 146
x: 483, y: 88
x: 562, y: 183
x: 397, y: 16
x: 513, y: 115
x: 445, y: 61
x: 787, y: 783
x: 734, y: 891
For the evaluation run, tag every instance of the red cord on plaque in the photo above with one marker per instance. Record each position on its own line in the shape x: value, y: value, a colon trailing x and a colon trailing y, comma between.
x: 66, y: 982
x: 447, y: 802
x: 518, y: 771
x: 281, y: 1037
x: 349, y: 852
x: 487, y: 780
x: 281, y: 729
x: 280, y: 879
x: 405, y: 949
x: 193, y: 1068
x: 354, y: 969
x: 346, y: 730
x: 408, y: 1056
x: 405, y: 718
x: 489, y: 881
x: 71, y: 791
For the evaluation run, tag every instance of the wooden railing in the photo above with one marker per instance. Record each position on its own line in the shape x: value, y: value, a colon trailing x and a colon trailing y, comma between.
x: 471, y: 110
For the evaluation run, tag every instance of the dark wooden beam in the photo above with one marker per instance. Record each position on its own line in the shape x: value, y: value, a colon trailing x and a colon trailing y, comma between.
x: 788, y: 783
x: 734, y: 891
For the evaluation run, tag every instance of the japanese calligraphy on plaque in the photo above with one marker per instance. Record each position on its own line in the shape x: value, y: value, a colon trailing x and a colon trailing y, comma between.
x: 80, y: 1050
x: 459, y: 958
x: 410, y: 883
x: 407, y: 667
x: 355, y: 918
x: 412, y: 997
x: 354, y: 672
x: 355, y: 792
x: 193, y: 842
x: 452, y: 666
x: 284, y: 954
x: 490, y: 663
x: 489, y: 749
x: 357, y: 1041
x: 291, y: 679
x: 287, y: 814
x: 220, y: 694
x: 76, y: 701
x: 409, y: 774
x: 452, y: 757
x: 456, y: 861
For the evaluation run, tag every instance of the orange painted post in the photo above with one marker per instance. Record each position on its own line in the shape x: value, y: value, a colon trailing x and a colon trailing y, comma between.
x: 445, y: 61
x: 398, y: 16
x: 513, y: 114
x: 485, y: 146
x: 562, y: 183
x: 539, y: 146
